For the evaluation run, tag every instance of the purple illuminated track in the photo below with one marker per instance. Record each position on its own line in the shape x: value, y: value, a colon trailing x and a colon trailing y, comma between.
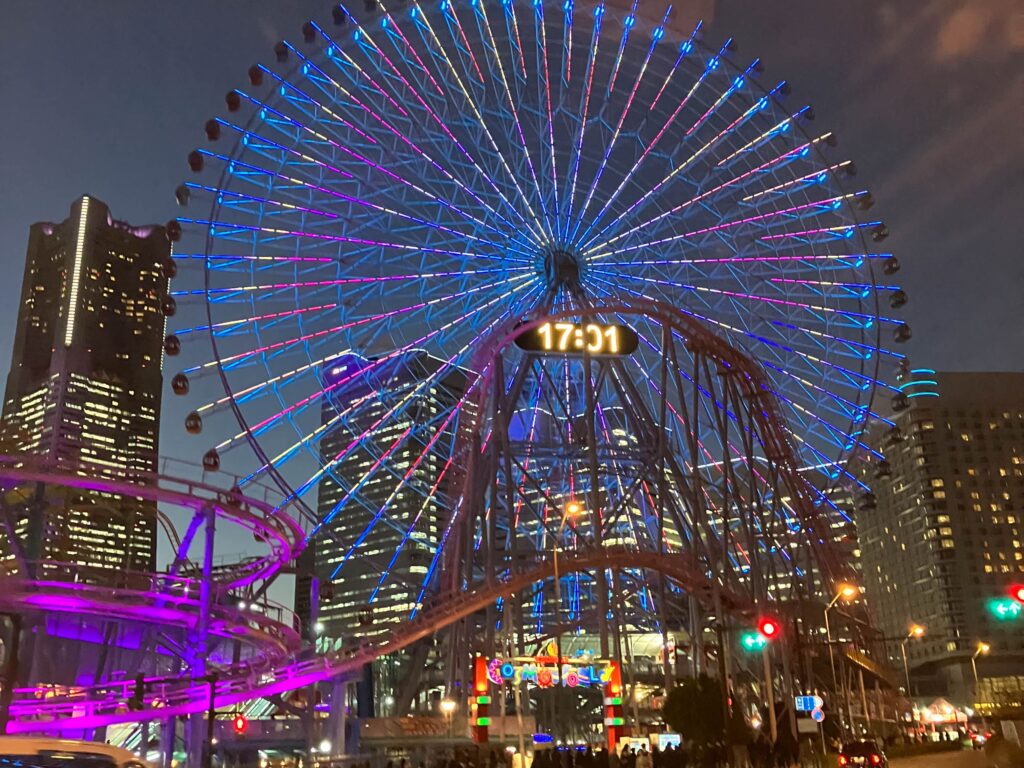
x: 170, y: 604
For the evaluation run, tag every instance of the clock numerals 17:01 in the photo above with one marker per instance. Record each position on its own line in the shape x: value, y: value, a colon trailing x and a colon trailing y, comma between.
x: 575, y: 338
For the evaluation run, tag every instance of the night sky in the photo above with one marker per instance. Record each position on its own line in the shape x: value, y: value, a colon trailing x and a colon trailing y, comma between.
x: 107, y: 97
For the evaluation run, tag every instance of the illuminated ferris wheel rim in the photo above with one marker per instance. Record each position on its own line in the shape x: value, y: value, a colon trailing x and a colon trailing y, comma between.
x: 867, y: 364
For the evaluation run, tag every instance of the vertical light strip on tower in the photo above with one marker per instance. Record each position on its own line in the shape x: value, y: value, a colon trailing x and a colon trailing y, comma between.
x: 76, y: 272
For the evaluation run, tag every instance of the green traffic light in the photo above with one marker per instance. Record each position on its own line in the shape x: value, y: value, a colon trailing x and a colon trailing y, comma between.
x: 753, y: 642
x: 1005, y: 609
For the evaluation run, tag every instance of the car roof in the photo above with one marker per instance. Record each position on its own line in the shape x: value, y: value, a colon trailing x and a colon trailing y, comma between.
x: 862, y: 744
x: 22, y: 743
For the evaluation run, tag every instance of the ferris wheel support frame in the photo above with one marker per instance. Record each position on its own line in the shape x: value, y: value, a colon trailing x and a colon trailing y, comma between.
x: 484, y: 547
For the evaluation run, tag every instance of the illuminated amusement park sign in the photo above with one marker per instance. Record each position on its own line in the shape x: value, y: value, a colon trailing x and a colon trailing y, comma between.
x: 545, y: 672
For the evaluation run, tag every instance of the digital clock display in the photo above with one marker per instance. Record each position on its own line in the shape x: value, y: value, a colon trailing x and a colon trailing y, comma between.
x: 568, y: 338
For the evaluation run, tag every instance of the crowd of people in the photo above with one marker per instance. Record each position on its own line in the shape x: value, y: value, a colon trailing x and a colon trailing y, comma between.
x: 758, y: 753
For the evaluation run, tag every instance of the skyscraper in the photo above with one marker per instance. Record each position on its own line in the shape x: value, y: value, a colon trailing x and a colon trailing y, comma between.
x: 377, y: 543
x: 941, y: 541
x: 85, y: 381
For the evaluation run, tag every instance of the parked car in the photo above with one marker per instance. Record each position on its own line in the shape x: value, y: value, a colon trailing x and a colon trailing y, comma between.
x: 862, y: 753
x: 61, y: 753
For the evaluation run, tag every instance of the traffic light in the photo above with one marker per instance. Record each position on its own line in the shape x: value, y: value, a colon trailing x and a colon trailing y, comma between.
x: 240, y: 724
x: 1017, y: 592
x: 138, y: 699
x: 1005, y: 609
x: 769, y: 627
x: 753, y: 642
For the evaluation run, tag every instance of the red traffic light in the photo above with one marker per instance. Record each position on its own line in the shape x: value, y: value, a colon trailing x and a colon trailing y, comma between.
x: 768, y: 627
x: 1017, y: 592
x: 240, y: 724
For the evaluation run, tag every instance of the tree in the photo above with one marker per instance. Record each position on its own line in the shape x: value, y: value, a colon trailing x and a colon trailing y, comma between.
x: 694, y: 710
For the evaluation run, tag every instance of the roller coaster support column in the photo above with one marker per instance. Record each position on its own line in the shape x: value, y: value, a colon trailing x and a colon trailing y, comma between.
x: 597, y: 522
x: 336, y: 718
x: 480, y: 706
x: 167, y: 738
x: 195, y: 738
x: 11, y: 653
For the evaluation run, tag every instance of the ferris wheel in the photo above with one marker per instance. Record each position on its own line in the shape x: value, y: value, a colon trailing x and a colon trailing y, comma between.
x: 413, y: 178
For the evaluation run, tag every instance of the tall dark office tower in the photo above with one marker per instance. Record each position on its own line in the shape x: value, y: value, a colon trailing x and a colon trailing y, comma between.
x: 384, y: 540
x: 85, y: 381
x: 941, y: 542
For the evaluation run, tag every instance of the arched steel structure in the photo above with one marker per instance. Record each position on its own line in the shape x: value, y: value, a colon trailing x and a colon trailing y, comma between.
x: 567, y: 452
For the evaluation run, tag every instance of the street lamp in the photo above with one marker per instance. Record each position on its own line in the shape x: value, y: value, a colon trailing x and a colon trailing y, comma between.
x: 448, y: 709
x: 916, y: 630
x: 983, y: 648
x: 572, y: 509
x: 843, y: 592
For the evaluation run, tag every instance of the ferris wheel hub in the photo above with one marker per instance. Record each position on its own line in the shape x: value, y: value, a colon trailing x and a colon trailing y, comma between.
x: 562, y: 267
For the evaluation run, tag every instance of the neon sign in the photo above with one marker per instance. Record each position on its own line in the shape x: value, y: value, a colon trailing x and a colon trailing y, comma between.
x: 545, y: 672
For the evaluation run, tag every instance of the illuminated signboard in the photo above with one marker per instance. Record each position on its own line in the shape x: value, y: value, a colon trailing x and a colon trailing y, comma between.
x: 565, y: 338
x: 545, y: 672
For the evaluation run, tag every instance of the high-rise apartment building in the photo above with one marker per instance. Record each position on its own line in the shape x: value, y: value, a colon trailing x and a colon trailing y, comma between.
x: 378, y: 535
x: 943, y: 539
x: 85, y: 381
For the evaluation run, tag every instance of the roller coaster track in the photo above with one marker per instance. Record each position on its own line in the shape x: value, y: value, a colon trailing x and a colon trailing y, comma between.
x: 100, y: 705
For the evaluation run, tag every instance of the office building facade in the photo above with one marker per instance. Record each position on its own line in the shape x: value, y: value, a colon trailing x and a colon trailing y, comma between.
x: 84, y: 388
x: 941, y: 541
x: 379, y: 536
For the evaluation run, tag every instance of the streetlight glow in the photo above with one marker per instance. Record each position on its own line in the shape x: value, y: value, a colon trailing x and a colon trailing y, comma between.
x: 984, y: 647
x: 916, y: 630
x: 573, y: 508
x: 447, y: 706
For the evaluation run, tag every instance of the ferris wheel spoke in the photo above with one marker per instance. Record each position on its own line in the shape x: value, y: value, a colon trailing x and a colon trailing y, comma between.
x: 757, y: 107
x: 546, y: 223
x: 411, y: 529
x: 858, y: 318
x: 225, y: 326
x: 534, y: 225
x: 779, y: 130
x: 304, y: 339
x: 446, y: 365
x: 610, y: 146
x: 847, y: 435
x: 713, y: 64
x: 816, y: 176
x: 769, y: 166
x: 347, y: 281
x: 390, y: 127
x: 228, y: 229
x: 495, y: 52
x: 858, y: 350
x: 399, y: 485
x: 337, y: 197
x: 577, y: 148
x: 545, y: 69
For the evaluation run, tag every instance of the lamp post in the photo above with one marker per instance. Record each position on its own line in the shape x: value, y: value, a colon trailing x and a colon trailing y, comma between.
x: 983, y: 648
x: 916, y: 630
x: 572, y: 509
x: 844, y: 592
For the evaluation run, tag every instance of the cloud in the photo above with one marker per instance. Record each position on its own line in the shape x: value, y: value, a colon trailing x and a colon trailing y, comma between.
x: 980, y: 28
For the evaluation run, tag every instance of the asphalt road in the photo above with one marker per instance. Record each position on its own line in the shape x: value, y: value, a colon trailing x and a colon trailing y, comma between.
x: 966, y: 759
